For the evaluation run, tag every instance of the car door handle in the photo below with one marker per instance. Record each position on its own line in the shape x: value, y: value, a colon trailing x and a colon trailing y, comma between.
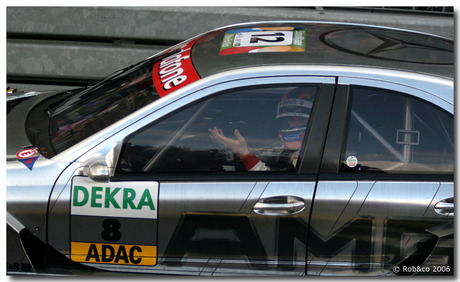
x: 445, y: 207
x: 281, y: 205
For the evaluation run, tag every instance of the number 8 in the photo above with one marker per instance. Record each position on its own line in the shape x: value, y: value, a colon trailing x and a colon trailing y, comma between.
x: 111, y: 233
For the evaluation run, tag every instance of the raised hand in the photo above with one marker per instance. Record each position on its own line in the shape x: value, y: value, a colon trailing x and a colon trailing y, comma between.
x: 238, y: 145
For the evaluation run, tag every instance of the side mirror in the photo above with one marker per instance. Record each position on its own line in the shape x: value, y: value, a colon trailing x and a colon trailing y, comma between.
x: 98, y: 171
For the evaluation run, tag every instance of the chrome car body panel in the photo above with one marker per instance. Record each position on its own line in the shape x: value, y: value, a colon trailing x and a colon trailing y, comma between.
x: 31, y: 213
x: 340, y: 204
x: 110, y: 149
x: 319, y: 220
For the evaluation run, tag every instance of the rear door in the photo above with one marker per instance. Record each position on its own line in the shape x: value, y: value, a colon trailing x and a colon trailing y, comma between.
x: 384, y: 202
x: 180, y: 202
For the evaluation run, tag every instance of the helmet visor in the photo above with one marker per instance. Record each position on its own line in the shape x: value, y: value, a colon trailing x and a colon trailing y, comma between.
x: 292, y: 137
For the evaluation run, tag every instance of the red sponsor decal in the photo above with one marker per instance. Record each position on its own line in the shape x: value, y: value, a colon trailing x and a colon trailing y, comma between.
x: 28, y: 157
x: 27, y: 153
x: 174, y: 71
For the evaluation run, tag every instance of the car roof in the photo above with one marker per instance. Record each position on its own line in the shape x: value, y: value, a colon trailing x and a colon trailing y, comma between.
x: 326, y: 43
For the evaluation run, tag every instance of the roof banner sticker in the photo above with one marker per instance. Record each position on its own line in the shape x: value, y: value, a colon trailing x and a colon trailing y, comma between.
x: 28, y: 157
x: 175, y: 70
x: 264, y: 39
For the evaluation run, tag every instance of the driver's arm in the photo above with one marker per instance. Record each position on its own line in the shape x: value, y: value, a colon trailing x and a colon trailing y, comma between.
x: 239, y: 147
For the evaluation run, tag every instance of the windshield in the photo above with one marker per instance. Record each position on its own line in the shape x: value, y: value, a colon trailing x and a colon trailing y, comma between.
x: 93, y: 109
x: 65, y: 119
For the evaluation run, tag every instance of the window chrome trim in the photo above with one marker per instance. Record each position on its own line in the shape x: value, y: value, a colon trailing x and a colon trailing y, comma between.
x: 392, y: 79
x: 108, y: 142
x: 437, y: 93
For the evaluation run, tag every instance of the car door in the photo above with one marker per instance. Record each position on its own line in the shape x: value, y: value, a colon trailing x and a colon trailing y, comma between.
x: 384, y: 202
x: 179, y: 202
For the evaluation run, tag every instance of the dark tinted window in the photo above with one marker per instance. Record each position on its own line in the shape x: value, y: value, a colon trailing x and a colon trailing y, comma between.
x: 182, y: 141
x: 396, y: 133
x: 93, y: 109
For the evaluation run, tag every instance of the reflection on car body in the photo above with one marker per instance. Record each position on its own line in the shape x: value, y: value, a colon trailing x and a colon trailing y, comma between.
x: 200, y: 160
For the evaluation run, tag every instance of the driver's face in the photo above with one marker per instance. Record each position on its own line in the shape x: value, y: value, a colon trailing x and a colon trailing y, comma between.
x: 297, y: 122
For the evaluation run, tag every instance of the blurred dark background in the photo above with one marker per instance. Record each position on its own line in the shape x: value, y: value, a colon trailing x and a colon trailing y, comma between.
x: 66, y: 47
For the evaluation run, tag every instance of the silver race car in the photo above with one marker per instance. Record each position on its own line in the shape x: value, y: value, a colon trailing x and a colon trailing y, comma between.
x: 270, y: 148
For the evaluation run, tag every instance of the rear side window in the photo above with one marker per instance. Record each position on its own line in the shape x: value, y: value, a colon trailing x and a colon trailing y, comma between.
x: 392, y: 132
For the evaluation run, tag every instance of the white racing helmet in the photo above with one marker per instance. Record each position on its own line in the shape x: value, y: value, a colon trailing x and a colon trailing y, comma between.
x: 296, y: 103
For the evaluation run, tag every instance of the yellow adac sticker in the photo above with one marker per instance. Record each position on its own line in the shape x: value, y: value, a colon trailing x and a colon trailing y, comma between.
x: 113, y: 253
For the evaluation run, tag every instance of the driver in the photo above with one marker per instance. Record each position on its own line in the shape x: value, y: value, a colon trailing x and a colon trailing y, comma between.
x: 294, y: 113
